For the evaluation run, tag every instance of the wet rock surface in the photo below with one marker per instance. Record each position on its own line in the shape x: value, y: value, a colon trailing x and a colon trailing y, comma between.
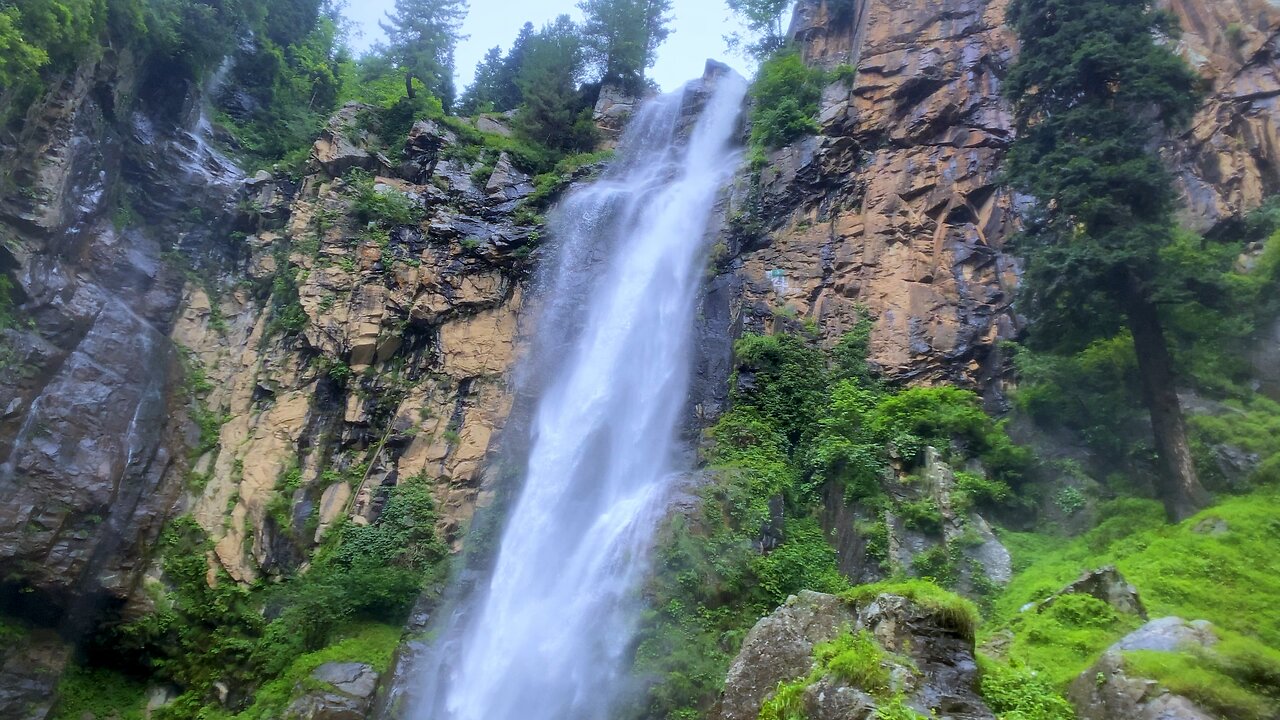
x: 90, y: 394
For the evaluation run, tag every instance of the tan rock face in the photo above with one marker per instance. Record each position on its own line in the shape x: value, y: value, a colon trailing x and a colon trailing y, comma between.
x: 897, y: 210
x: 399, y: 371
x: 1227, y: 161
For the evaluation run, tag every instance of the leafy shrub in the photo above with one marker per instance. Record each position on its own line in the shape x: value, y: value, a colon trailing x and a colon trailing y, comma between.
x: 1015, y: 692
x: 98, y: 692
x: 785, y: 99
x: 857, y: 659
x: 385, y: 206
x: 806, y: 561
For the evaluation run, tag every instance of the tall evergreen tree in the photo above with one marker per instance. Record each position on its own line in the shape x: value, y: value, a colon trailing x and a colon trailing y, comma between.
x: 622, y: 38
x: 764, y: 20
x: 555, y: 112
x: 480, y: 94
x: 423, y: 35
x: 1093, y: 89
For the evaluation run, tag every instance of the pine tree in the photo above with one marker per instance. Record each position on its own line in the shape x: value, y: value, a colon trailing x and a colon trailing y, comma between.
x: 1093, y: 90
x: 764, y: 19
x: 555, y: 112
x: 508, y: 96
x: 423, y: 35
x: 479, y: 95
x: 622, y: 38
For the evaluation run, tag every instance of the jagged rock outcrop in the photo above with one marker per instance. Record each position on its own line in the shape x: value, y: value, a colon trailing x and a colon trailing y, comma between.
x: 1105, y: 584
x: 1227, y: 161
x: 932, y: 659
x: 957, y: 545
x: 896, y: 211
x: 397, y: 371
x: 1106, y: 691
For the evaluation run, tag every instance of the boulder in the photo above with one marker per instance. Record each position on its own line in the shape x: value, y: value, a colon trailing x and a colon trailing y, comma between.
x: 933, y: 661
x: 1106, y: 584
x: 1107, y: 692
x: 349, y: 696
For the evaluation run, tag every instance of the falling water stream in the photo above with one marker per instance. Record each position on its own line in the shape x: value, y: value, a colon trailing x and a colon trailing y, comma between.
x: 546, y: 638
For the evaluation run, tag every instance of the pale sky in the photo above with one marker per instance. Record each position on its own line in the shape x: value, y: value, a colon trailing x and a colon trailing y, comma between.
x: 698, y: 31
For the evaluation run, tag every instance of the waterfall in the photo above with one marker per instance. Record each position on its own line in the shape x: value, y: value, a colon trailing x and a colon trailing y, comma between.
x: 546, y: 639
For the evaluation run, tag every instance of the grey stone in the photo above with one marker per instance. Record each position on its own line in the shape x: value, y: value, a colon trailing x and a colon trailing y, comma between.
x: 1106, y: 584
x: 1168, y: 634
x: 354, y: 679
x: 1106, y: 692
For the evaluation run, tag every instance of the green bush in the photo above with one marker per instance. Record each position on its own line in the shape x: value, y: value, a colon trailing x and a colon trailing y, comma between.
x: 1015, y: 692
x: 348, y: 604
x: 785, y: 99
x: 100, y: 693
x: 857, y: 659
x: 387, y: 207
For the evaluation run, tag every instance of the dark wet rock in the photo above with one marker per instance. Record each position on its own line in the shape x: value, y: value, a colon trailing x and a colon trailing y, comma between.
x: 29, y: 670
x: 507, y: 183
x: 92, y: 423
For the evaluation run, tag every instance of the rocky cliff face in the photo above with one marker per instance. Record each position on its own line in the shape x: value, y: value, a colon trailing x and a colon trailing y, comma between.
x: 397, y: 367
x: 896, y: 211
x: 89, y: 389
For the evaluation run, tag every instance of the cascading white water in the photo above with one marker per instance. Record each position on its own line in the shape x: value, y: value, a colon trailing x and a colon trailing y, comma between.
x: 547, y: 637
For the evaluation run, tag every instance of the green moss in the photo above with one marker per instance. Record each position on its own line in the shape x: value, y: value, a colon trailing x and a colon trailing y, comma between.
x: 1239, y: 678
x: 952, y: 611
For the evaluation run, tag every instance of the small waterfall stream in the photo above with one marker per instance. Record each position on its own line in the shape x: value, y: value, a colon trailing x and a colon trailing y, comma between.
x: 546, y: 639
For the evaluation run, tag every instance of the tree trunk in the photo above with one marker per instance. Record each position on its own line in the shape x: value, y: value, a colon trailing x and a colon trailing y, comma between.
x: 408, y: 85
x: 1179, y: 486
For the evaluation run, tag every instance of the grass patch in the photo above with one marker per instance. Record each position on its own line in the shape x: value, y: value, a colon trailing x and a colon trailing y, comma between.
x: 953, y: 611
x: 1239, y: 678
x: 1015, y: 692
x: 1194, y: 570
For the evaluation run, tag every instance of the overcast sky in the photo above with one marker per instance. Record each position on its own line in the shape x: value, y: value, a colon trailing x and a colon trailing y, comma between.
x: 698, y: 31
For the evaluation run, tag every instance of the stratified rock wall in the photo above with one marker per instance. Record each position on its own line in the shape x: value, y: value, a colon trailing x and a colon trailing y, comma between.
x: 896, y: 209
x: 399, y: 371
x: 1227, y: 162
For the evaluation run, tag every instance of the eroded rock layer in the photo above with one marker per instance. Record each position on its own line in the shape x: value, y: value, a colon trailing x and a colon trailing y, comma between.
x: 896, y: 210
